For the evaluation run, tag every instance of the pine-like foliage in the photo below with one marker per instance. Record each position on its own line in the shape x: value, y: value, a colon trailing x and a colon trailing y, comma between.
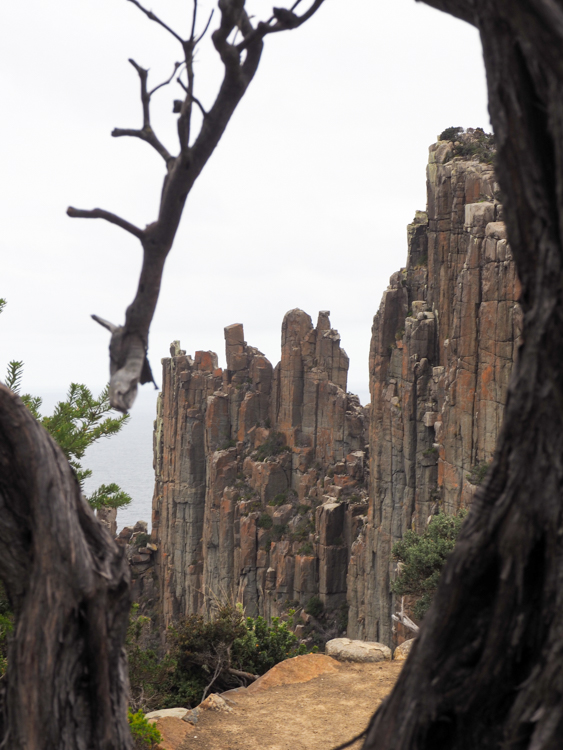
x: 76, y: 423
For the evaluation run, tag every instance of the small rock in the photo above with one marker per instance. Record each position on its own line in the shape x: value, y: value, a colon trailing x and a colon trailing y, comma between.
x: 345, y: 649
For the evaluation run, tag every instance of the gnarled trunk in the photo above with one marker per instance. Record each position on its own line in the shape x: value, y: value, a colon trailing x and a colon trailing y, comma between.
x: 66, y: 686
x: 486, y: 669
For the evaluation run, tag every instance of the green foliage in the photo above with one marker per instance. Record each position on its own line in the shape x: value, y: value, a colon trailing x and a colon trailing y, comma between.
x: 306, y: 549
x: 75, y: 424
x: 314, y: 606
x: 423, y: 557
x: 450, y: 134
x: 478, y: 472
x: 142, y: 540
x: 14, y: 376
x: 201, y: 655
x: 145, y: 736
x: 228, y: 444
x: 301, y: 532
x: 265, y: 521
x: 265, y: 645
x: 280, y: 499
x: 273, y: 446
x: 278, y: 531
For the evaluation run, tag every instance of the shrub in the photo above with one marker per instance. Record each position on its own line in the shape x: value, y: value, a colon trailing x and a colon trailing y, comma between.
x: 314, y: 606
x: 265, y: 521
x: 145, y: 736
x: 265, y: 645
x: 142, y: 540
x: 278, y: 532
x: 450, y: 134
x: 273, y: 446
x: 306, y: 549
x: 478, y: 472
x: 279, y: 499
x: 423, y: 557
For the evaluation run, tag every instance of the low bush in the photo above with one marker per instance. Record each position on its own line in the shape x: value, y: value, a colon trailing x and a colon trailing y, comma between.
x: 145, y: 736
x: 478, y: 472
x: 202, y: 656
x: 314, y: 606
x: 265, y: 521
x: 273, y: 446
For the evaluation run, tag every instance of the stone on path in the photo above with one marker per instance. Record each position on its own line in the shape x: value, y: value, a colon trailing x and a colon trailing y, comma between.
x: 345, y: 649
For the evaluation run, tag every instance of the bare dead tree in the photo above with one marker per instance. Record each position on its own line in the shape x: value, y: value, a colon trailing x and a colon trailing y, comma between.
x: 487, y: 668
x: 66, y: 685
x: 129, y: 343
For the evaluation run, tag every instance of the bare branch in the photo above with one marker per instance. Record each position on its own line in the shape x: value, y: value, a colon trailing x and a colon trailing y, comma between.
x: 99, y: 213
x: 151, y: 15
x: 169, y: 80
x: 194, y: 17
x: 105, y: 323
x: 207, y: 25
x: 286, y: 20
x: 146, y: 133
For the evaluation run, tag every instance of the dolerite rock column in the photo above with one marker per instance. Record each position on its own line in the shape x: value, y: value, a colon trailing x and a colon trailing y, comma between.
x: 443, y: 344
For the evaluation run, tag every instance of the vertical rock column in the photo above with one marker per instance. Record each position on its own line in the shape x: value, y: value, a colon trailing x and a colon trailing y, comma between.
x: 443, y: 343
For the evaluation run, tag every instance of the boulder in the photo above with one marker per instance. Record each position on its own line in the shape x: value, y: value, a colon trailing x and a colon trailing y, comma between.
x: 402, y: 651
x: 345, y: 649
x: 177, y: 713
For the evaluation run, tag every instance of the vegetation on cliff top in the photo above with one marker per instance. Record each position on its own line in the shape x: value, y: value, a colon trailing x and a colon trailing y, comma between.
x: 472, y: 143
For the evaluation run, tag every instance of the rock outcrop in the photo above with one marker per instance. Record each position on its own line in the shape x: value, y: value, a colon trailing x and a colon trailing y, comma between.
x: 260, y: 474
x: 443, y: 344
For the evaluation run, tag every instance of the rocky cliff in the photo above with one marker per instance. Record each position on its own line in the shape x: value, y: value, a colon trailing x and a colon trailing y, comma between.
x: 260, y: 474
x: 443, y: 343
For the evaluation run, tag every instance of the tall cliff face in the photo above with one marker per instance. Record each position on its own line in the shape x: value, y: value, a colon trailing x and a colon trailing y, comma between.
x: 443, y: 344
x: 260, y: 473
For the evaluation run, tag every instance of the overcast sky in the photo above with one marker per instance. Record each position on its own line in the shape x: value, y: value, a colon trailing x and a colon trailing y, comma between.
x: 304, y: 203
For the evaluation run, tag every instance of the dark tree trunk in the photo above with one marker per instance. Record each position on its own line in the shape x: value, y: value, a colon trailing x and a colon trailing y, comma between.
x: 487, y: 669
x: 68, y: 582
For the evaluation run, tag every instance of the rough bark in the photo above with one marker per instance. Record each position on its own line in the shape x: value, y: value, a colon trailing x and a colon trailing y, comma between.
x: 66, y: 686
x: 485, y: 671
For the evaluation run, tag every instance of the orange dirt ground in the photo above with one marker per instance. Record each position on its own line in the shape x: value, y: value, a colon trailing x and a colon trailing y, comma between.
x: 308, y: 703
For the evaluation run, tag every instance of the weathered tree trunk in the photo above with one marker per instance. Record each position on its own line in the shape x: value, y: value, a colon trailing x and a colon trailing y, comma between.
x: 486, y: 670
x: 66, y: 687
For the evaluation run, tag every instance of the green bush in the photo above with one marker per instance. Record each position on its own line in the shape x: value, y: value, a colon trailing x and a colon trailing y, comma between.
x: 264, y: 646
x: 450, y: 134
x: 145, y: 736
x: 280, y: 499
x: 273, y: 446
x: 314, y: 606
x: 478, y: 472
x: 202, y: 654
x: 265, y: 521
x: 423, y: 557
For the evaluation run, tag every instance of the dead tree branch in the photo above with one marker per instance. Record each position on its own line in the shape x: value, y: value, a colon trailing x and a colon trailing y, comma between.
x: 146, y: 133
x: 128, y: 363
x: 99, y: 213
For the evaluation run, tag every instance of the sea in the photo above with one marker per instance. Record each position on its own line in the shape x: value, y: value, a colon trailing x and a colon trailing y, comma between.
x: 127, y: 460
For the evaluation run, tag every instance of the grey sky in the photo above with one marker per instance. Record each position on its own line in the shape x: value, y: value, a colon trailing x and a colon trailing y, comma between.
x: 304, y: 203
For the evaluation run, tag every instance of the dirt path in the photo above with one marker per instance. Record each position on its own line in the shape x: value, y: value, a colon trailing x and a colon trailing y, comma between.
x: 315, y: 715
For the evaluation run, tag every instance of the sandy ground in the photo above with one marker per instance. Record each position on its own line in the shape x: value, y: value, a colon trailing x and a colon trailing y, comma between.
x: 318, y: 714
